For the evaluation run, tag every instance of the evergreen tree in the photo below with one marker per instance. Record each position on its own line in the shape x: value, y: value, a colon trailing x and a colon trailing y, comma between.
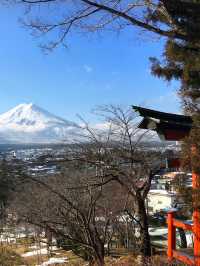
x: 181, y: 58
x: 181, y: 61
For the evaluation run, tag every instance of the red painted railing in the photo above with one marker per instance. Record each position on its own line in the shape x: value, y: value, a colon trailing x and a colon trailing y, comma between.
x: 195, y: 228
x: 171, y: 251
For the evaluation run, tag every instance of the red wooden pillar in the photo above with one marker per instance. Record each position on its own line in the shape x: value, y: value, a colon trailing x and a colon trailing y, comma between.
x: 196, y: 222
x: 171, y: 234
x: 196, y: 215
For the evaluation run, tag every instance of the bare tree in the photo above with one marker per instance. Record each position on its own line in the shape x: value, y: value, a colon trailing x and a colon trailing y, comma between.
x: 105, y: 176
x: 118, y: 156
x: 63, y: 16
x: 79, y: 215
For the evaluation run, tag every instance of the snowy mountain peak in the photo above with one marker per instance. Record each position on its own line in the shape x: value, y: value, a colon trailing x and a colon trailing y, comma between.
x: 34, y: 124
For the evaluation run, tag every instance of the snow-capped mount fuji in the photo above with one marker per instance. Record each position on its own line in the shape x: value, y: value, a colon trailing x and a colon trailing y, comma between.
x: 29, y: 123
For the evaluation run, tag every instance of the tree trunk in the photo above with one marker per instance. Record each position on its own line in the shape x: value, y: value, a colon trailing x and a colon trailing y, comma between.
x: 183, y: 240
x: 100, y: 261
x: 144, y: 228
x: 100, y: 252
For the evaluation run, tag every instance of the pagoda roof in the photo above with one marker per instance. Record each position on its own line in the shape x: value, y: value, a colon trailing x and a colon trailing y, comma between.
x: 168, y: 126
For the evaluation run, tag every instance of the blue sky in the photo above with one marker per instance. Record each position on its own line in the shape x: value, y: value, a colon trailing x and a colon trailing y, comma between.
x: 109, y: 69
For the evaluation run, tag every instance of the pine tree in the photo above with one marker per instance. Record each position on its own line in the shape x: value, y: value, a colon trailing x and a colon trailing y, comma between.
x: 181, y: 58
x: 181, y: 61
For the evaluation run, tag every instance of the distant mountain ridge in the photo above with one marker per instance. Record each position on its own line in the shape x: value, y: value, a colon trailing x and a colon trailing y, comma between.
x: 29, y: 123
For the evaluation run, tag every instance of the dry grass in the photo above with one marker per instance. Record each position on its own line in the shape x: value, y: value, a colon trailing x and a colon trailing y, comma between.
x: 8, y: 257
x: 35, y: 260
x: 39, y: 259
x: 137, y: 261
x: 11, y: 256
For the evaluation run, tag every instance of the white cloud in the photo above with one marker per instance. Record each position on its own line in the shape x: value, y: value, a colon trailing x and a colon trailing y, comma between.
x: 102, y: 126
x: 97, y: 126
x: 87, y: 68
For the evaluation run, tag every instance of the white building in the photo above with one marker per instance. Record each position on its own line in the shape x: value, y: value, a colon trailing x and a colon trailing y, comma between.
x: 159, y: 199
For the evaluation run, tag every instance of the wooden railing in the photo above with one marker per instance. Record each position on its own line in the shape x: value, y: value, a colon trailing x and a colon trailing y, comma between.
x: 195, y: 228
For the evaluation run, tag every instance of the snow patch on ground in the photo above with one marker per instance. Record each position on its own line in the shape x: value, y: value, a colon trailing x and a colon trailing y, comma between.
x: 54, y: 261
x: 158, y: 231
x: 42, y: 251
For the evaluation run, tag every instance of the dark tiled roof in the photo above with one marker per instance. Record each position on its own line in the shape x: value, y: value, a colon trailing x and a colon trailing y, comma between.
x: 171, y: 126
